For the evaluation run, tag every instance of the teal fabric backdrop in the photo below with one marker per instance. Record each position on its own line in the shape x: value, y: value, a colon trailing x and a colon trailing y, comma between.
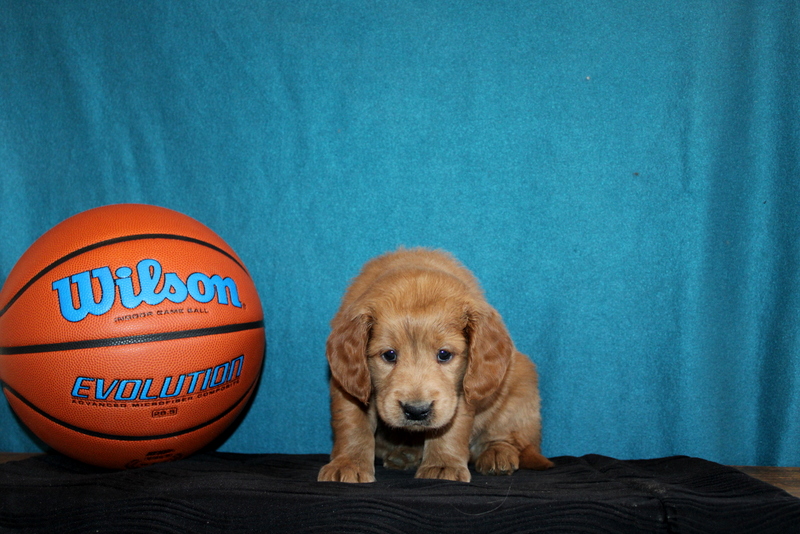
x: 623, y: 176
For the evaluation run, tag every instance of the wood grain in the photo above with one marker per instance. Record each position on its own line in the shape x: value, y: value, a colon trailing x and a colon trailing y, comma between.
x: 786, y: 478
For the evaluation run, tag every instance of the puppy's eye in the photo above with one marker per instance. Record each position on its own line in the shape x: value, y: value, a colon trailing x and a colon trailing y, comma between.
x: 389, y: 356
x: 444, y: 356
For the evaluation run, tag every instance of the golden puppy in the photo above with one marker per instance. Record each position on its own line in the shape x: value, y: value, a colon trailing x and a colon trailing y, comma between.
x: 424, y: 375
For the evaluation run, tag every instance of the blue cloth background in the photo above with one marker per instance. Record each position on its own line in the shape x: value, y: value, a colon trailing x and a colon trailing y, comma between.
x: 622, y: 176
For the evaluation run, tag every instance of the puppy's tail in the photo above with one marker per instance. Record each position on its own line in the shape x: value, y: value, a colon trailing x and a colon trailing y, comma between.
x: 531, y: 458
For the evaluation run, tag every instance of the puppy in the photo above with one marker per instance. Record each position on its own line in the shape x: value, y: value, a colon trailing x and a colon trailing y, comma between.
x: 424, y: 375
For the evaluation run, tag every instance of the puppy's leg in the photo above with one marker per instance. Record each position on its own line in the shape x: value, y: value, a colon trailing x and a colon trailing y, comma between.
x: 446, y: 452
x: 511, y: 438
x: 402, y: 458
x: 498, y: 458
x: 353, y: 455
x: 399, y: 449
x: 503, y: 457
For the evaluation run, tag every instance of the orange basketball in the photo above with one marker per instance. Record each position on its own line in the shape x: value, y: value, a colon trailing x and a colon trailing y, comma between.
x: 129, y: 334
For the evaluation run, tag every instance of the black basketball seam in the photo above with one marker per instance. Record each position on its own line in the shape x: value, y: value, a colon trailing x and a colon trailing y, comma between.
x: 131, y: 340
x: 115, y: 437
x: 107, y: 242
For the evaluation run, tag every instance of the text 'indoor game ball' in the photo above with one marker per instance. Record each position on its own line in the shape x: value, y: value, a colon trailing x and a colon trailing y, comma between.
x: 129, y: 334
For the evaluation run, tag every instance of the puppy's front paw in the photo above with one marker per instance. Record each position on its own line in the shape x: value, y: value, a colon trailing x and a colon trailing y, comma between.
x: 459, y: 473
x: 402, y: 458
x: 498, y: 459
x: 346, y: 471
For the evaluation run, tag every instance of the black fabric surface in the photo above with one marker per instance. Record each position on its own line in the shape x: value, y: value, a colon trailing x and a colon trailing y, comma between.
x: 278, y: 493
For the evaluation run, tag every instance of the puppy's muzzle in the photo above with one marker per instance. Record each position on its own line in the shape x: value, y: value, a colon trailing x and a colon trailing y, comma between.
x: 417, y: 411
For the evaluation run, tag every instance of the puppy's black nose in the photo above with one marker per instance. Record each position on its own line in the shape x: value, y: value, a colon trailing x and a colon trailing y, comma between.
x: 417, y: 411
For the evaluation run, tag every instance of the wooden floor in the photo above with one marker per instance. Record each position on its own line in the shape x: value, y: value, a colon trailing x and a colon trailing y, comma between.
x: 786, y: 478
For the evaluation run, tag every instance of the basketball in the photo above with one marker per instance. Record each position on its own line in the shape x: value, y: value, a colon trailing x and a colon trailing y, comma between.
x: 130, y: 334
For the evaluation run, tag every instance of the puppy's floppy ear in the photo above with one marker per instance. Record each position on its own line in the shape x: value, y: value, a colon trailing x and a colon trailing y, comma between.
x: 490, y: 351
x: 346, y: 350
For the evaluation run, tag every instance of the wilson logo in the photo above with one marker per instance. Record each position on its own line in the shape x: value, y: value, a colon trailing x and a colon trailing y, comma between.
x: 97, y: 289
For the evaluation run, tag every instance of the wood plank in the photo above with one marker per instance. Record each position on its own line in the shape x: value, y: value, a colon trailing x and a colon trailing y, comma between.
x: 786, y: 478
x: 14, y: 456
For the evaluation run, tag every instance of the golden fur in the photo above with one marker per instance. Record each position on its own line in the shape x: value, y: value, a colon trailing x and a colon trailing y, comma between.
x: 424, y: 375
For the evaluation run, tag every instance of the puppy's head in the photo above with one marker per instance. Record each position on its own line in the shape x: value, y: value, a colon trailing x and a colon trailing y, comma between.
x: 417, y: 361
x: 414, y: 345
